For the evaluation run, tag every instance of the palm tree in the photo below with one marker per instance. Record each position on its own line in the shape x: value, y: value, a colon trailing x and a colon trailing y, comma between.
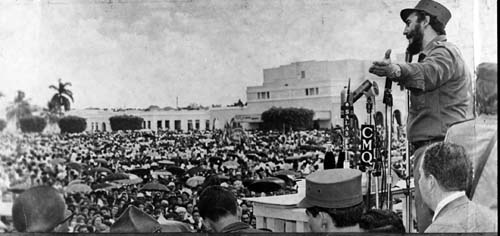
x: 18, y: 109
x: 61, y: 98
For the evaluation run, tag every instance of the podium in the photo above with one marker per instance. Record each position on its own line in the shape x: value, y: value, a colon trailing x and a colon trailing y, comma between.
x: 279, y: 213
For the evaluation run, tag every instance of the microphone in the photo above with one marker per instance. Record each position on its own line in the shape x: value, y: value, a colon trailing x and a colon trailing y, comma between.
x: 387, y: 100
x: 375, y: 88
x: 364, y: 88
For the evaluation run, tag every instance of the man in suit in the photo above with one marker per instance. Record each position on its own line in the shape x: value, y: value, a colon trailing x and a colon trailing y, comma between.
x: 445, y: 172
x: 475, y: 135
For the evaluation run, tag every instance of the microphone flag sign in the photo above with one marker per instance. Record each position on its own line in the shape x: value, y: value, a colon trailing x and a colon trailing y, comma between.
x: 367, y: 145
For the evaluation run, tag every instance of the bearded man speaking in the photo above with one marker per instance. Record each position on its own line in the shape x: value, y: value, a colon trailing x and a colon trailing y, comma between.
x: 439, y: 84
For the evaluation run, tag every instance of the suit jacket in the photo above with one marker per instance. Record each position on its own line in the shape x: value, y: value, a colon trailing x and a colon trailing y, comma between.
x: 464, y: 216
x: 475, y: 135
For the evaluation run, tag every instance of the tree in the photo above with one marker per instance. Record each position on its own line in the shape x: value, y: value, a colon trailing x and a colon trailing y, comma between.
x: 286, y: 118
x: 31, y: 124
x: 61, y: 98
x: 126, y: 122
x: 18, y: 109
x: 72, y: 124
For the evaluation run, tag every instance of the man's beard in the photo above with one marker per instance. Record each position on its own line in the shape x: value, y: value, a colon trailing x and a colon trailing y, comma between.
x: 416, y: 37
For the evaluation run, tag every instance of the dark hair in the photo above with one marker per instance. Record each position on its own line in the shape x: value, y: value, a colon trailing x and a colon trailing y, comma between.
x: 342, y: 217
x: 449, y: 164
x: 216, y: 202
x: 378, y: 220
x: 433, y: 22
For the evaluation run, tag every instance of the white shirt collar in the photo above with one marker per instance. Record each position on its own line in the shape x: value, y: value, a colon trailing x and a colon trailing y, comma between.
x: 445, y: 202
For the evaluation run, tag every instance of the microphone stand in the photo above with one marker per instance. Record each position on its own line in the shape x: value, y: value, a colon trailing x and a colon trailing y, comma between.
x: 408, y: 59
x: 369, y: 106
x: 387, y: 100
x: 347, y: 112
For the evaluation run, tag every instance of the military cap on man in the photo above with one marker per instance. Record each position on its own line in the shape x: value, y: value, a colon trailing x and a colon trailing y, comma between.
x: 430, y: 7
x: 38, y: 209
x: 487, y: 71
x: 334, y: 188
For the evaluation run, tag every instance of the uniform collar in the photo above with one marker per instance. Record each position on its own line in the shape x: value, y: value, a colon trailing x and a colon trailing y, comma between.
x: 430, y: 45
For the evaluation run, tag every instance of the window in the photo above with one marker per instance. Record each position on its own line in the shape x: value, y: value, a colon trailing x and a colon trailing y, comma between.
x: 197, y: 124
x: 144, y: 124
x: 167, y: 124
x: 207, y: 124
x: 158, y: 124
x: 103, y: 126
x: 302, y: 74
x: 312, y: 91
x: 190, y: 124
x: 177, y: 124
x: 149, y: 124
x: 263, y: 95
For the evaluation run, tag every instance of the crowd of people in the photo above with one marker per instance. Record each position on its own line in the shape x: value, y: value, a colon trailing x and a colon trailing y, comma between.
x: 161, y: 173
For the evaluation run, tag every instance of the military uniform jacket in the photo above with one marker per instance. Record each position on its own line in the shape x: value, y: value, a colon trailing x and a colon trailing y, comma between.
x: 440, y: 90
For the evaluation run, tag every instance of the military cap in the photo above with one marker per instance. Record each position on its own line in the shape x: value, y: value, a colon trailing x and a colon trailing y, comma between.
x: 430, y: 7
x: 334, y: 188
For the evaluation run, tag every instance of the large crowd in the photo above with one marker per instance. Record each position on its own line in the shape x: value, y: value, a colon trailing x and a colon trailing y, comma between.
x: 161, y: 173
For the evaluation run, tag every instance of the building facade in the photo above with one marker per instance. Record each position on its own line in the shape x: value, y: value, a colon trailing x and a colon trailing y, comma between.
x: 98, y: 120
x: 317, y: 85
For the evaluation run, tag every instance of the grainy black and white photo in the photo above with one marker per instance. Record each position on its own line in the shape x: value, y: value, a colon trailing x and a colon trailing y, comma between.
x: 248, y: 116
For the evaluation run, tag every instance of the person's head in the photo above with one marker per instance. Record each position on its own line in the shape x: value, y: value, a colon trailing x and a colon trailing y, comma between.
x: 97, y: 221
x: 486, y: 88
x: 216, y: 204
x: 333, y: 201
x: 29, y: 215
x: 428, y: 17
x: 196, y: 216
x: 189, y: 207
x: 445, y: 168
x: 245, y: 218
x: 383, y: 221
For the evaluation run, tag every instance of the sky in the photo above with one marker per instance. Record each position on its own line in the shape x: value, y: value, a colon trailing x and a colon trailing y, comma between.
x: 131, y: 53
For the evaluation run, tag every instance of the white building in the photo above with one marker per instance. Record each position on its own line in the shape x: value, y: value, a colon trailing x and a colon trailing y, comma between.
x: 154, y: 120
x: 316, y: 85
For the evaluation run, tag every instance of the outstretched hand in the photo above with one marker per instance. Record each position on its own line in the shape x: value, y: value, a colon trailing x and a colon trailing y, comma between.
x: 385, y: 67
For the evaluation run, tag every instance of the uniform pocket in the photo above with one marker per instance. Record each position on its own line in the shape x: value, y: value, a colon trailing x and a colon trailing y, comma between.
x: 417, y: 100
